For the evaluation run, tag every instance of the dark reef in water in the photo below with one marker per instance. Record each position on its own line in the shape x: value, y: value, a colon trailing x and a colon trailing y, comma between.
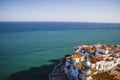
x: 35, y: 73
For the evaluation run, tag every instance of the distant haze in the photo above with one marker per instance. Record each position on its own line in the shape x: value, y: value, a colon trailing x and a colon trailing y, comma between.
x: 60, y: 10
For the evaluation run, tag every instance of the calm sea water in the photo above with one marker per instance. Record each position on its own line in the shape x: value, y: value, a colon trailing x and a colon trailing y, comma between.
x: 32, y: 46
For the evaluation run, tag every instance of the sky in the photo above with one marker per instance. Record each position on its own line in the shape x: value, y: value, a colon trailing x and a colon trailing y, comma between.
x: 60, y: 10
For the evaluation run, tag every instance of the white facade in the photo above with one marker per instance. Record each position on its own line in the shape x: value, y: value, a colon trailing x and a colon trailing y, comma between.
x: 101, y: 66
x: 106, y: 64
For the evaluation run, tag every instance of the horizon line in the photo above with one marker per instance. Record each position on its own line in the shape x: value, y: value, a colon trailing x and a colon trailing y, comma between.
x: 66, y: 22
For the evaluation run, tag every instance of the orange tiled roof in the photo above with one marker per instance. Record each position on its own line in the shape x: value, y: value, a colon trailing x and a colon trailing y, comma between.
x: 80, y: 65
x: 103, y: 76
x: 99, y: 58
x: 76, y: 56
x: 90, y: 49
x: 116, y: 78
x: 94, y: 59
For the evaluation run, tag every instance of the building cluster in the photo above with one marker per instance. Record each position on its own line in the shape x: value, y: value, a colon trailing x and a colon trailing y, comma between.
x: 90, y: 60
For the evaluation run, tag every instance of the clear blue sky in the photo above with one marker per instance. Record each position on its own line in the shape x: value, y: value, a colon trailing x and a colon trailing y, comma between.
x: 60, y: 10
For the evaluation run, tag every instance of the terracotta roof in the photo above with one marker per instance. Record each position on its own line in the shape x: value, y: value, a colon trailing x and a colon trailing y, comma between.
x: 116, y: 78
x: 94, y: 58
x: 99, y: 58
x: 103, y: 76
x: 90, y: 49
x: 80, y: 65
x: 76, y: 56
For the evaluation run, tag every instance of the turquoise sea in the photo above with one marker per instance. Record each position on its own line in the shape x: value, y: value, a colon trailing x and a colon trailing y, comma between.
x: 28, y: 50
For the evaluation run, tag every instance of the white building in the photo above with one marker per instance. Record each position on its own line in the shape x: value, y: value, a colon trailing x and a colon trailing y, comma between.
x: 78, y: 66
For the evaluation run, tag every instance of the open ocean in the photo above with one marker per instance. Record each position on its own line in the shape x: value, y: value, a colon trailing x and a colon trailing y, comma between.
x: 28, y: 50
